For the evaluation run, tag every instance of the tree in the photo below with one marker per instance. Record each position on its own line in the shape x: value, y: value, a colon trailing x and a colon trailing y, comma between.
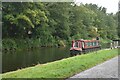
x: 22, y: 18
x: 59, y: 16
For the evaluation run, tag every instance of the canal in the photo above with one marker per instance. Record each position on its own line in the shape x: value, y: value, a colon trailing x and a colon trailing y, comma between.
x: 20, y: 59
x: 14, y: 60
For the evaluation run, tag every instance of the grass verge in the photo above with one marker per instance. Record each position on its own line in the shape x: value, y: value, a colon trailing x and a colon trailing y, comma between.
x: 64, y: 68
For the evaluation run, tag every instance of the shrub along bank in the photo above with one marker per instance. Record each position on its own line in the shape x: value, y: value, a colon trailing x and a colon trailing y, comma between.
x: 32, y: 43
x: 20, y: 44
x: 64, y: 68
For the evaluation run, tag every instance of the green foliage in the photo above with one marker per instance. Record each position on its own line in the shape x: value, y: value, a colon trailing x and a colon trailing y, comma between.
x: 118, y: 18
x: 8, y: 44
x: 24, y: 21
x: 47, y: 23
x: 21, y: 18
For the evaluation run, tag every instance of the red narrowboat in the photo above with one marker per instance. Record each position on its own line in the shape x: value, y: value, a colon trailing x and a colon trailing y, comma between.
x: 79, y: 46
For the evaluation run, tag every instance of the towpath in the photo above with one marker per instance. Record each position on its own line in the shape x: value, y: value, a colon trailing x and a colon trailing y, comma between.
x: 108, y: 69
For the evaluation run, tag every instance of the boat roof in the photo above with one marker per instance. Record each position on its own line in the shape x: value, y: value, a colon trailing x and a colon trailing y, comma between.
x: 87, y: 40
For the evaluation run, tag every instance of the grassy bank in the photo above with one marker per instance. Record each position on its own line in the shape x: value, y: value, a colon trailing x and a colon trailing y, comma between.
x: 65, y: 67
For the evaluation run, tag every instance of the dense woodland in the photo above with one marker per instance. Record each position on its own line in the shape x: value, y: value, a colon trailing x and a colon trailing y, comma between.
x: 31, y: 25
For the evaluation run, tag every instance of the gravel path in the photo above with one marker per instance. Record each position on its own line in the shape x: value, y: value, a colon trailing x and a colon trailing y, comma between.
x: 108, y: 69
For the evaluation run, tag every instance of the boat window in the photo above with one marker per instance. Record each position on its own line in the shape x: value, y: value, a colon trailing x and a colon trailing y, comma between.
x: 97, y: 43
x: 82, y: 44
x: 93, y: 43
x: 76, y: 44
x: 89, y: 44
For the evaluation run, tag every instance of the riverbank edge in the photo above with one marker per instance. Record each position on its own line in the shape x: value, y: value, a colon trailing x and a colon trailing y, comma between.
x: 11, y: 44
x: 64, y: 68
x: 30, y: 44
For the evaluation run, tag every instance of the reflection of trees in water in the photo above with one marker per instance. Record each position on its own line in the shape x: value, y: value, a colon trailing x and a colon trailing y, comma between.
x: 18, y: 59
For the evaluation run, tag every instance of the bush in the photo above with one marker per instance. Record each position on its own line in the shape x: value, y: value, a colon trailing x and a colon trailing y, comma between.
x: 8, y: 44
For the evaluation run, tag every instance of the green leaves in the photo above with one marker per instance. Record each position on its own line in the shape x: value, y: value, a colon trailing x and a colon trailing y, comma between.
x: 24, y: 19
x: 62, y: 21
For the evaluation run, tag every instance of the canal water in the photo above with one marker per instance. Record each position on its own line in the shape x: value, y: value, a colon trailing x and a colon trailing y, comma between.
x: 20, y: 59
x: 14, y: 60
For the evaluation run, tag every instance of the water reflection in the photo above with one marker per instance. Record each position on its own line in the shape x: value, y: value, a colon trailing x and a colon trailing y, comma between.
x: 20, y: 59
